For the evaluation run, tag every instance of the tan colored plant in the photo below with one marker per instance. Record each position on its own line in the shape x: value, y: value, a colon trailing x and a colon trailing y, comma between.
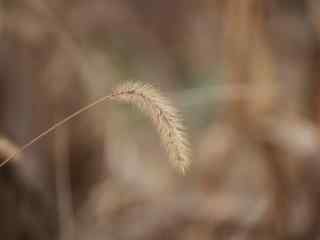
x: 7, y: 148
x: 149, y: 100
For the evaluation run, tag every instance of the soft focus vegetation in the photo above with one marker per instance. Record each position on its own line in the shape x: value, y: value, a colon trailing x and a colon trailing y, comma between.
x: 244, y: 77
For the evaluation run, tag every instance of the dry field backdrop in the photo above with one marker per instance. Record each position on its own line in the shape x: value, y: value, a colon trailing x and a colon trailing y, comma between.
x: 244, y: 75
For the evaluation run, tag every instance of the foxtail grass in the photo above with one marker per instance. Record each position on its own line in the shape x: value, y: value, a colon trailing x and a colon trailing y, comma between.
x: 151, y: 102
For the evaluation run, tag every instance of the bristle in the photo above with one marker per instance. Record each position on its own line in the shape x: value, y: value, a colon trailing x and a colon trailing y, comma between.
x: 164, y: 116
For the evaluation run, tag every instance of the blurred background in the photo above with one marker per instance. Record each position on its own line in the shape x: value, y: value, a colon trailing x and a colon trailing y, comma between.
x: 244, y: 74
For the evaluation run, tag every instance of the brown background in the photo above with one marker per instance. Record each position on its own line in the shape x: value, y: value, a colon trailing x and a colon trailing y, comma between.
x: 244, y: 75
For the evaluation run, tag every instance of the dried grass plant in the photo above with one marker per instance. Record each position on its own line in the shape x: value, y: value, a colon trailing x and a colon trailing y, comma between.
x: 149, y: 100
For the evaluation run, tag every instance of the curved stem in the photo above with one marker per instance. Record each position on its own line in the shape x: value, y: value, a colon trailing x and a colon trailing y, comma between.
x: 54, y: 127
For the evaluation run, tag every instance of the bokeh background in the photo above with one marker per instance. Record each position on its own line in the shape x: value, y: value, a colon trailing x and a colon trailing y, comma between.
x: 244, y: 75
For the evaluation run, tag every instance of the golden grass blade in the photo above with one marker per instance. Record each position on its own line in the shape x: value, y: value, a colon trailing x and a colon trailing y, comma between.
x: 150, y: 101
x: 164, y: 116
